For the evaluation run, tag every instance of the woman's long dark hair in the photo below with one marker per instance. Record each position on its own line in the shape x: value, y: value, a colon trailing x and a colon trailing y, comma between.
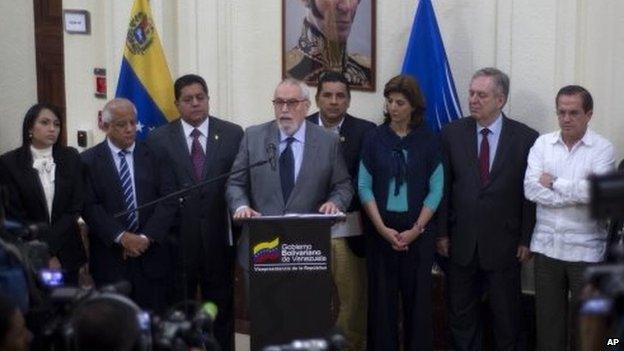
x: 408, y: 86
x: 31, y: 117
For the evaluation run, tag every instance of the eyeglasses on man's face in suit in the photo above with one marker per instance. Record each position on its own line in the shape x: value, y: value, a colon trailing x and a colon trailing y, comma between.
x: 290, y: 106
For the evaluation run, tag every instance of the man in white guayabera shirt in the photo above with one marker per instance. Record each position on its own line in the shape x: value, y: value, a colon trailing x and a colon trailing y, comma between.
x: 566, y: 239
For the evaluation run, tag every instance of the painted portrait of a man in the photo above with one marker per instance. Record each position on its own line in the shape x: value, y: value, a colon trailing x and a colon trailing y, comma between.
x: 333, y: 35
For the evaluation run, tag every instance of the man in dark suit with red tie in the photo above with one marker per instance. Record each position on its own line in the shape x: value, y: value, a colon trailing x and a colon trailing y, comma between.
x: 198, y: 147
x: 485, y: 221
x: 121, y: 174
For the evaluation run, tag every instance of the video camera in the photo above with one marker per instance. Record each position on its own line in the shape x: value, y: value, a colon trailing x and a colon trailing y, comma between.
x: 57, y: 311
x: 602, y: 306
x: 22, y: 259
x: 23, y: 238
x: 74, y: 310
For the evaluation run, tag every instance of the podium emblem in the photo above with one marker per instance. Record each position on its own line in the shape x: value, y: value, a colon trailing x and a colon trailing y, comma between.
x: 267, y: 252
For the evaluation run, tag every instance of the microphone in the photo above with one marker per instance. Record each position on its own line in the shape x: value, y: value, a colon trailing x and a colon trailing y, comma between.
x: 205, y: 316
x: 271, y: 151
x: 334, y: 342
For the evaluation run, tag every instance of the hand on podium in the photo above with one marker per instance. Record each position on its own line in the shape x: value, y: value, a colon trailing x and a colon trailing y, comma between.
x: 245, y: 212
x: 329, y: 208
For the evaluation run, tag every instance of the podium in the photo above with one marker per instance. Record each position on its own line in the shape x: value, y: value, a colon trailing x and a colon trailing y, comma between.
x: 289, y: 277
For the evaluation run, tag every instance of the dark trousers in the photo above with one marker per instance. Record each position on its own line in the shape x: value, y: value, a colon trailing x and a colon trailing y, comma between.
x: 555, y: 281
x: 405, y: 276
x: 149, y: 293
x: 466, y: 287
x: 193, y: 269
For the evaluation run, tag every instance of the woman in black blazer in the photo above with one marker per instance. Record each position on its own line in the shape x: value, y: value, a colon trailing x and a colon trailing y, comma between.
x: 44, y: 182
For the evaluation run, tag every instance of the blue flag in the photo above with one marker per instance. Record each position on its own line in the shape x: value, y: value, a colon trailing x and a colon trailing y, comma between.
x: 144, y: 77
x: 425, y: 60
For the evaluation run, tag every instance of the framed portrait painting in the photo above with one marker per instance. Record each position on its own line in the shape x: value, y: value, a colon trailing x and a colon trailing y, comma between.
x: 337, y: 35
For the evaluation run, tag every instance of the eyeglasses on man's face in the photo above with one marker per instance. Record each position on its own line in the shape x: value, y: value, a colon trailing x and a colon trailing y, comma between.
x: 290, y: 104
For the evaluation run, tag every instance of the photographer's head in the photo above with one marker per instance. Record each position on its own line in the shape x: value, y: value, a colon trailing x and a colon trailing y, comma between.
x: 107, y: 323
x: 14, y: 336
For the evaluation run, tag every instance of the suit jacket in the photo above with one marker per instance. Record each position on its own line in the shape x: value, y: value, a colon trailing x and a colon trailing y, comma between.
x: 27, y: 202
x: 495, y: 218
x: 104, y: 198
x: 352, y: 134
x: 323, y: 175
x: 203, y: 218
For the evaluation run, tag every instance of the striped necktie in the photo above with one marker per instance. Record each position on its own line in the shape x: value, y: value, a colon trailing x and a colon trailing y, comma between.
x: 132, y: 219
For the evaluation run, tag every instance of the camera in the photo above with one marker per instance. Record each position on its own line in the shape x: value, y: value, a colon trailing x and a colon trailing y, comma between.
x: 601, y: 309
x: 188, y: 324
x: 607, y: 196
x: 21, y: 240
x: 21, y: 257
x: 80, y: 318
x: 59, y: 315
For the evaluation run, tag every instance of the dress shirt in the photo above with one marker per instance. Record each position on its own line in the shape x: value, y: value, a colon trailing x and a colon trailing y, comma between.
x: 493, y: 137
x: 203, y: 138
x: 130, y: 161
x: 334, y: 129
x: 564, y: 229
x: 296, y: 146
x: 352, y: 226
x: 43, y: 162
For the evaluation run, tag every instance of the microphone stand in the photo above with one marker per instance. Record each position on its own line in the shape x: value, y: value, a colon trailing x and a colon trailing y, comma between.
x: 181, y: 196
x: 183, y: 193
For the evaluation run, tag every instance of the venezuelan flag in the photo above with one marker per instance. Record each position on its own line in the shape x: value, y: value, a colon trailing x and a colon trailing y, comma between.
x: 144, y: 77
x: 266, y: 245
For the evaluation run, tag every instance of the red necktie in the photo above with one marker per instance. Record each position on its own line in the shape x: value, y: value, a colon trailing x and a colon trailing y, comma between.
x: 197, y: 155
x: 484, y: 157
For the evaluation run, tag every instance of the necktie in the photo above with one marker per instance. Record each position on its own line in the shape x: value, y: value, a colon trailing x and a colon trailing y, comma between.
x: 287, y: 169
x: 484, y: 157
x: 127, y: 187
x: 197, y: 155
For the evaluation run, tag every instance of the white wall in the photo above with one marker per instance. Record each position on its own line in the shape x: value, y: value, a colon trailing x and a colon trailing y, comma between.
x: 18, y: 78
x: 236, y: 46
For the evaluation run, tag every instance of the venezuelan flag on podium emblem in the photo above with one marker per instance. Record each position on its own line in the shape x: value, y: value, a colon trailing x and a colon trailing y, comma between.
x: 425, y: 60
x: 144, y: 77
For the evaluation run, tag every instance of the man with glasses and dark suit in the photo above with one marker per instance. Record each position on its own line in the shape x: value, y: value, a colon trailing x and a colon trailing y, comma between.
x: 485, y: 221
x: 311, y: 176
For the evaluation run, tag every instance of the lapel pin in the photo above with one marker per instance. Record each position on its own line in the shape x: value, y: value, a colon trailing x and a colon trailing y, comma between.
x: 216, y: 136
x: 342, y: 139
